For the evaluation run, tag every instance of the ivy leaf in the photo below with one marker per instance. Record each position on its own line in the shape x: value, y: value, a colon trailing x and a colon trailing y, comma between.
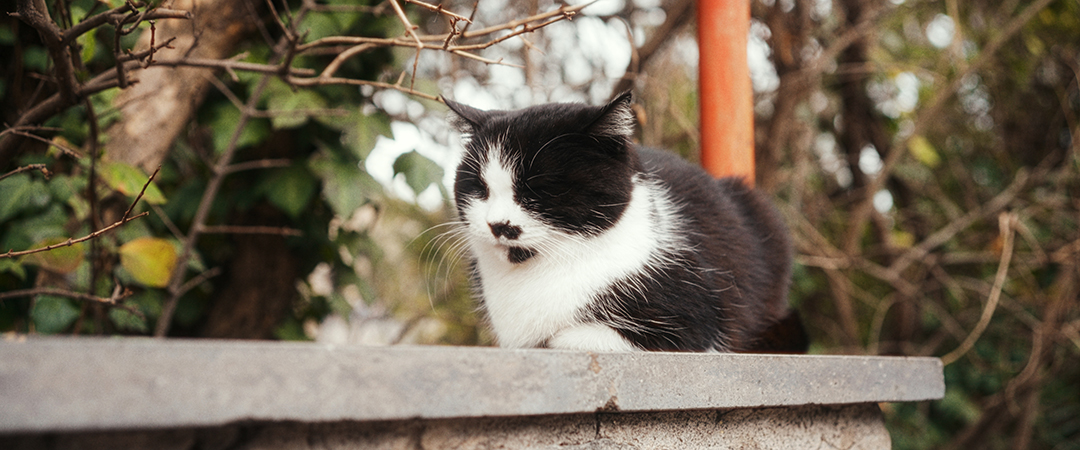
x: 289, y: 189
x: 344, y: 185
x: 420, y: 171
x: 359, y: 132
x: 149, y: 260
x: 10, y: 265
x: 316, y: 26
x: 125, y: 320
x: 292, y: 108
x: 225, y: 119
x: 53, y: 314
x: 129, y: 180
x: 20, y: 193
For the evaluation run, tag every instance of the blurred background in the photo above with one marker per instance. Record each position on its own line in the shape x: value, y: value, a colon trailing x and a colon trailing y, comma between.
x: 924, y: 154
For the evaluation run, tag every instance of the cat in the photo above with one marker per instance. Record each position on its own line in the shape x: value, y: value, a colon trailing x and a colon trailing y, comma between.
x: 580, y: 239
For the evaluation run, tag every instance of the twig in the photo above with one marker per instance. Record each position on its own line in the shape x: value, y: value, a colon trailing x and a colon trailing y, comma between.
x: 1007, y: 224
x: 438, y: 9
x: 320, y: 81
x: 141, y: 192
x: 258, y: 164
x: 44, y: 171
x: 63, y: 148
x: 411, y: 30
x: 71, y: 241
x: 229, y: 64
x: 240, y: 229
x: 111, y: 300
x: 199, y: 279
x: 947, y: 232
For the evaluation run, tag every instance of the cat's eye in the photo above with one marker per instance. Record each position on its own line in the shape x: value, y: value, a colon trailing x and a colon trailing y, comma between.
x: 472, y: 187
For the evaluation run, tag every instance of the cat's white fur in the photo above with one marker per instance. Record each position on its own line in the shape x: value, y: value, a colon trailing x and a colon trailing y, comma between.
x: 542, y: 299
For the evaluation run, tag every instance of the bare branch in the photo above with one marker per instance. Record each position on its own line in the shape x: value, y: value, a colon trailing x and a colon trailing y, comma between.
x: 111, y: 300
x: 125, y: 219
x: 70, y: 241
x: 1007, y: 224
x: 439, y: 9
x: 229, y: 64
x: 238, y: 229
x: 258, y: 164
x: 141, y: 192
x: 44, y: 171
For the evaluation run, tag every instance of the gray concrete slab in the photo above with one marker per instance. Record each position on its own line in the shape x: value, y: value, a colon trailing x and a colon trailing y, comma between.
x: 126, y: 383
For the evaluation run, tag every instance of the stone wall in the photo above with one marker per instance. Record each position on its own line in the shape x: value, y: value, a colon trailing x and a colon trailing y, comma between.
x: 174, y: 394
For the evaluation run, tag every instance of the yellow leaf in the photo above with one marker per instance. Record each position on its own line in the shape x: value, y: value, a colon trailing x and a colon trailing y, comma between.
x: 149, y: 260
x: 60, y: 260
x: 924, y: 151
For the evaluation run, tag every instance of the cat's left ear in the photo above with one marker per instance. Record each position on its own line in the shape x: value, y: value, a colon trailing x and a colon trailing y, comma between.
x: 467, y: 119
x: 616, y: 119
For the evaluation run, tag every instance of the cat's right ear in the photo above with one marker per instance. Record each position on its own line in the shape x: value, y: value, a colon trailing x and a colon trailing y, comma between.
x: 466, y: 118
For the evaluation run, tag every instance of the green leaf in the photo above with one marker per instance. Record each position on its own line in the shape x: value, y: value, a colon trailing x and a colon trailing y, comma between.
x: 318, y: 26
x: 149, y: 301
x: 53, y: 314
x: 10, y: 265
x: 7, y: 37
x: 150, y: 261
x: 129, y: 180
x: 125, y: 320
x: 290, y: 189
x: 362, y: 137
x: 225, y: 120
x: 24, y: 233
x: 345, y: 186
x: 68, y: 190
x: 36, y: 58
x: 89, y: 46
x: 420, y: 171
x: 291, y: 108
x: 20, y: 193
x: 291, y: 330
x: 359, y: 132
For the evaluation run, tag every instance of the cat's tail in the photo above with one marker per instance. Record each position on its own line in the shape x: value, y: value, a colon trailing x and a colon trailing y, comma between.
x: 784, y: 336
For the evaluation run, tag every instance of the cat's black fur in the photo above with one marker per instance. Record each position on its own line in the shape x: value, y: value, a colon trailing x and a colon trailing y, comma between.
x: 721, y: 261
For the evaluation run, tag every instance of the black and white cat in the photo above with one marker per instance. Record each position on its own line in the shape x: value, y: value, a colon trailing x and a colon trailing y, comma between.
x: 580, y: 239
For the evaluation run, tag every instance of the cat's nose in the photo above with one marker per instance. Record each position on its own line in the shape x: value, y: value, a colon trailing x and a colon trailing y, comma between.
x: 504, y: 229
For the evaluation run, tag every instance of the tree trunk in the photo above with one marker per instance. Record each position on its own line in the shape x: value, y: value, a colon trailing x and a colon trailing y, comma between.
x: 157, y: 108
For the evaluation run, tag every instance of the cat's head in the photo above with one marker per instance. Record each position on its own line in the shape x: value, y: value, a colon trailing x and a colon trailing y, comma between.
x: 544, y: 171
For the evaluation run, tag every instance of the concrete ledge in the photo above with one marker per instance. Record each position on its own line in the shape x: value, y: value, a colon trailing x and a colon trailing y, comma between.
x: 51, y: 385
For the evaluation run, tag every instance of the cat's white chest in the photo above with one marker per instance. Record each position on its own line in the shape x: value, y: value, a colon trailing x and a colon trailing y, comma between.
x: 545, y: 298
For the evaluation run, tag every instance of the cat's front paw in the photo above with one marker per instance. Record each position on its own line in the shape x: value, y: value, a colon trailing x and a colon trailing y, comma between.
x: 592, y: 337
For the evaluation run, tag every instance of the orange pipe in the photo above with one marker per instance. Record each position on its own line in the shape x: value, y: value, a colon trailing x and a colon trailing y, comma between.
x: 726, y: 97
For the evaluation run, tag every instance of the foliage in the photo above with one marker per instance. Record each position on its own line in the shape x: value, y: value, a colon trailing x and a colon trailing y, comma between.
x: 266, y: 185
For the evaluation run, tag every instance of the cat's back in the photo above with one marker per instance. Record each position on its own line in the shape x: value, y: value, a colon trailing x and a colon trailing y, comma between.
x: 731, y: 227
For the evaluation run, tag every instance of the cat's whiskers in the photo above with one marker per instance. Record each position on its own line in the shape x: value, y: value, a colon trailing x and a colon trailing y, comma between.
x: 448, y: 247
